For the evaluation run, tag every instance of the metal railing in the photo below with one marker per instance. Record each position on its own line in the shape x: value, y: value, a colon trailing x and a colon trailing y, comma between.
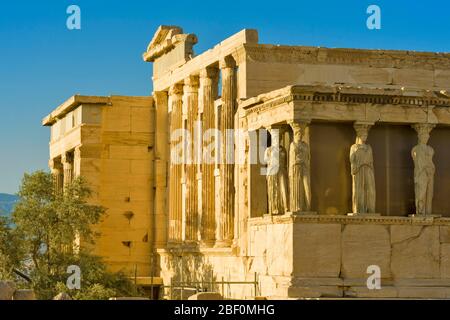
x: 206, y: 286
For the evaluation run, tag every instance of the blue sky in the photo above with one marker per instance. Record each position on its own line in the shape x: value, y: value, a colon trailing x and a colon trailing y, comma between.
x: 42, y: 63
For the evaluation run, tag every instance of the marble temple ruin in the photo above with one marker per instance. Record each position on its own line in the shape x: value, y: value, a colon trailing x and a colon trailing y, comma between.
x: 301, y: 167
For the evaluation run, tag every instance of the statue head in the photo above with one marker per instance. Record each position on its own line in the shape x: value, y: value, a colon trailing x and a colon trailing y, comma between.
x: 362, y: 132
x: 299, y: 129
x: 423, y: 132
x: 274, y: 136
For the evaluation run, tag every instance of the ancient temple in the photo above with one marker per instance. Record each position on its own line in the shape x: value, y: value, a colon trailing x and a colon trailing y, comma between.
x: 301, y: 167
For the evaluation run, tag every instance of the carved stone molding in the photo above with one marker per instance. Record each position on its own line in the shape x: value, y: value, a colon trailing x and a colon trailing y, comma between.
x: 343, y: 219
x: 372, y: 58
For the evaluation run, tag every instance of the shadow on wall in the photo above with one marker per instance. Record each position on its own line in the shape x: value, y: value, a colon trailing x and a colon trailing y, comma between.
x: 191, y: 273
x: 331, y: 181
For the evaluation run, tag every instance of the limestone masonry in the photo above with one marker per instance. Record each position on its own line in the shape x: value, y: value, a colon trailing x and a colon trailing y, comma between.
x: 338, y: 160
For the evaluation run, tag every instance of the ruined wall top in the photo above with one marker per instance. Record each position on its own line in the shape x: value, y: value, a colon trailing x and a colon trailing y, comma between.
x: 267, y: 67
x: 169, y: 48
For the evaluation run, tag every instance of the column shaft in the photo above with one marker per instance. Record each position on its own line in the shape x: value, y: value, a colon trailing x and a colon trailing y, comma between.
x: 226, y: 228
x: 191, y: 100
x: 175, y: 188
x: 67, y: 162
x: 208, y: 89
x: 57, y: 173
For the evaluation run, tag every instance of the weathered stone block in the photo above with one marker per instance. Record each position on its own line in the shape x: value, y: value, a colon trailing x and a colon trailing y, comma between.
x: 421, y: 292
x: 315, y: 292
x: 279, y: 262
x: 24, y: 294
x: 415, y: 251
x: 7, y: 289
x: 317, y: 250
x: 413, y: 77
x: 442, y: 78
x: 364, y: 292
x: 445, y: 260
x: 206, y: 296
x: 444, y: 234
x: 365, y: 245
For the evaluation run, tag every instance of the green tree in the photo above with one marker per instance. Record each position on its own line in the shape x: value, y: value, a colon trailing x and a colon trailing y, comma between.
x: 51, y: 224
x: 11, y: 249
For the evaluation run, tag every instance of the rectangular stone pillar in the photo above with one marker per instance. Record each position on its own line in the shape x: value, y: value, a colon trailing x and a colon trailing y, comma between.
x: 58, y: 176
x: 176, y: 165
x: 226, y: 225
x: 67, y: 163
x: 161, y: 157
x: 208, y: 90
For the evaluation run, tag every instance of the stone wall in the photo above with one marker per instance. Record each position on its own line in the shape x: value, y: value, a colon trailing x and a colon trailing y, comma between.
x: 9, y: 291
x: 111, y: 144
x: 270, y: 67
x: 329, y: 256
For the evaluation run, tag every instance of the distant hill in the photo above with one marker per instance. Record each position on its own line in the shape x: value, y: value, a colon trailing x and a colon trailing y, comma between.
x: 7, y: 202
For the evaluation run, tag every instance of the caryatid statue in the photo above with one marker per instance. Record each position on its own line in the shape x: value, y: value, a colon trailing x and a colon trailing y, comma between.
x: 363, y: 179
x: 277, y: 177
x: 424, y: 169
x: 299, y: 171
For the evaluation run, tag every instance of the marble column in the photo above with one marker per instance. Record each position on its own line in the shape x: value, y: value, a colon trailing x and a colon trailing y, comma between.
x: 227, y: 192
x: 190, y: 97
x: 67, y: 162
x: 299, y: 169
x: 424, y: 170
x: 175, y: 203
x: 208, y: 91
x: 57, y: 173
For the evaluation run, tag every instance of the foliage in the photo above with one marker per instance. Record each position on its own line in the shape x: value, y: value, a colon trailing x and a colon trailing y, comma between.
x: 53, y: 230
x: 11, y: 249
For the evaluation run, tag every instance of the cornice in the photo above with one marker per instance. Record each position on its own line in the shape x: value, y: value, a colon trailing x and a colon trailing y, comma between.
x: 368, y: 57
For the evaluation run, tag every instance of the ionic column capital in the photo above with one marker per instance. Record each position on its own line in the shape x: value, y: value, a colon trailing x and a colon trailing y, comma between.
x: 55, y: 166
x: 66, y: 158
x: 160, y: 96
x: 191, y: 84
x: 176, y: 91
x: 227, y: 62
x: 208, y: 73
x: 77, y: 152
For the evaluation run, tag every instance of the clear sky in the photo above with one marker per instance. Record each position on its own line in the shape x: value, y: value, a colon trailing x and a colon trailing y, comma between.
x: 42, y: 63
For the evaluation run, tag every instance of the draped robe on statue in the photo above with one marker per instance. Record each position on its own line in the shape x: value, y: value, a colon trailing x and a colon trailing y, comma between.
x: 361, y: 161
x: 277, y: 179
x: 424, y: 169
x: 299, y: 178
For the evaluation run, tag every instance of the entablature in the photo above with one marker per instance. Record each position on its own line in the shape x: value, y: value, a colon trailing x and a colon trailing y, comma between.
x: 348, y: 103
